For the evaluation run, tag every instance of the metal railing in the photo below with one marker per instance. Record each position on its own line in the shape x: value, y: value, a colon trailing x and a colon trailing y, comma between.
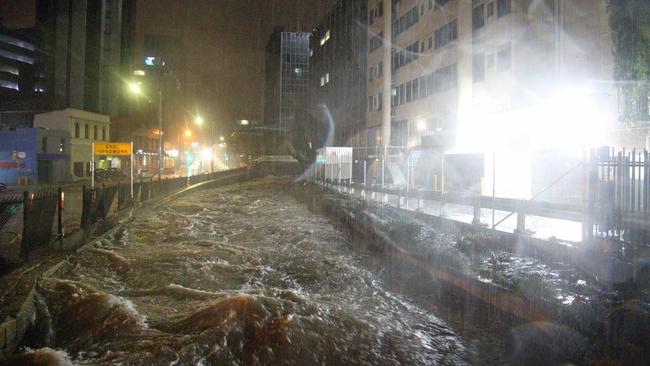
x: 40, y: 208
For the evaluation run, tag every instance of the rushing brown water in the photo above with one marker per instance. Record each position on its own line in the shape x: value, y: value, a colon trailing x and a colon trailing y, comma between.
x: 237, y: 275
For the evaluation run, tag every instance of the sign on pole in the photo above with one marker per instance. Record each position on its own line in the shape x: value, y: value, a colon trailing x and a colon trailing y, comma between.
x: 112, y: 149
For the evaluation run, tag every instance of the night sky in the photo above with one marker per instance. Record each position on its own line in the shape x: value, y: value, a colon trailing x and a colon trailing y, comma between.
x: 223, y: 43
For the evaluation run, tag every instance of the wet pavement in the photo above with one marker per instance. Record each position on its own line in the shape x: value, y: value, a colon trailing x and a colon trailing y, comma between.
x: 243, y: 274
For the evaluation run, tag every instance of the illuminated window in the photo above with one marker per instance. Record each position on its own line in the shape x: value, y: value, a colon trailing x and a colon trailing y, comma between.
x: 62, y: 146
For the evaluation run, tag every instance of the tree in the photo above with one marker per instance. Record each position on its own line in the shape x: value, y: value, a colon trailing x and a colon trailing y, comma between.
x: 629, y: 21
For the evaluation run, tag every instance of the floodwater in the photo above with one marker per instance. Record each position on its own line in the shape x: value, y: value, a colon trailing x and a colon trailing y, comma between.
x: 243, y: 274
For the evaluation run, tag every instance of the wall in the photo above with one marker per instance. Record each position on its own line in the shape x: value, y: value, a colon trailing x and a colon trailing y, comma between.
x: 20, y: 140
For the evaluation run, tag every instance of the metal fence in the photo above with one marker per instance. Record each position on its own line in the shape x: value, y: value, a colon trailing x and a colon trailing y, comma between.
x: 619, y: 197
x: 40, y: 208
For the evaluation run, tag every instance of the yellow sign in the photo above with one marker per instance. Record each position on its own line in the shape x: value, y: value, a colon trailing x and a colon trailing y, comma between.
x: 112, y: 148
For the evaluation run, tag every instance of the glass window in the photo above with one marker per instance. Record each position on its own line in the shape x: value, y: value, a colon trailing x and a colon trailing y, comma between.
x: 95, y: 132
x: 86, y: 131
x: 490, y: 9
x: 44, y: 144
x: 62, y: 146
x: 76, y: 129
x: 416, y: 89
x: 478, y: 19
x: 423, y: 86
x: 409, y: 94
x: 104, y: 133
x: 503, y: 8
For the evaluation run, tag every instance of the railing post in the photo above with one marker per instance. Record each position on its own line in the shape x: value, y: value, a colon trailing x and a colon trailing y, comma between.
x: 60, y: 206
x: 477, y: 211
x: 24, y: 243
x: 443, y: 211
x: 521, y: 221
x: 383, y: 167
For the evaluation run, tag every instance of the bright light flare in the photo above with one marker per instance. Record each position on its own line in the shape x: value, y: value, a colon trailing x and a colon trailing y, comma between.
x: 206, y: 154
x: 135, y: 88
x: 568, y: 120
x: 198, y: 120
x: 188, y: 133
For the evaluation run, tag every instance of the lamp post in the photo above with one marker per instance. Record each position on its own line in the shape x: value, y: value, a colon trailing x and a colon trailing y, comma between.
x: 136, y: 88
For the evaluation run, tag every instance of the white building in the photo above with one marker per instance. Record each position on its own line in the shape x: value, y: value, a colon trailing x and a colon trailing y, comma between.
x: 85, y: 128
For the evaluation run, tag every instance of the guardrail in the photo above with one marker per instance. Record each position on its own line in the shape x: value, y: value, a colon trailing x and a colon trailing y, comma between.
x: 521, y: 208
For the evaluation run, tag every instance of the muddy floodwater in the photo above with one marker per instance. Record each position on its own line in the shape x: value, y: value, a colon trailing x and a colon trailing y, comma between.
x: 243, y: 274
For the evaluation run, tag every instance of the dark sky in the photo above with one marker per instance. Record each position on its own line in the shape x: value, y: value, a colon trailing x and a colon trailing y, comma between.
x: 223, y: 43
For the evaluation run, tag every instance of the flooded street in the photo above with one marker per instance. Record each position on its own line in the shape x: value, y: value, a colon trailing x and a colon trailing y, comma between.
x: 243, y: 274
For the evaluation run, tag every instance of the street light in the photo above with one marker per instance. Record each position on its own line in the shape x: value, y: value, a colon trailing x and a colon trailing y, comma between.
x: 199, y: 121
x: 188, y: 133
x: 136, y: 88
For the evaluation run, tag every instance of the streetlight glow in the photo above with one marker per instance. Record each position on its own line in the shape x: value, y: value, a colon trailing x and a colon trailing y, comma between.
x: 198, y: 120
x: 188, y: 133
x: 135, y: 88
x: 221, y: 138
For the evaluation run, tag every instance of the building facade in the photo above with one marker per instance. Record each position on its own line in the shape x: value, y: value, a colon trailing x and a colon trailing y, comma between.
x: 286, y: 80
x: 338, y: 75
x: 34, y: 155
x: 514, y: 81
x: 84, y: 128
x: 22, y: 69
x: 92, y: 48
x: 81, y: 50
x: 458, y: 64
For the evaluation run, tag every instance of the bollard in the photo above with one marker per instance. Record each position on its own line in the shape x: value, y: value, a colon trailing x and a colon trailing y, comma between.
x: 24, y: 244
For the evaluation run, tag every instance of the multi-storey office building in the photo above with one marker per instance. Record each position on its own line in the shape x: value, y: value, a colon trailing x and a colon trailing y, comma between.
x: 457, y: 63
x: 286, y: 79
x: 338, y: 64
x: 22, y: 66
x: 79, y: 50
x: 488, y: 75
